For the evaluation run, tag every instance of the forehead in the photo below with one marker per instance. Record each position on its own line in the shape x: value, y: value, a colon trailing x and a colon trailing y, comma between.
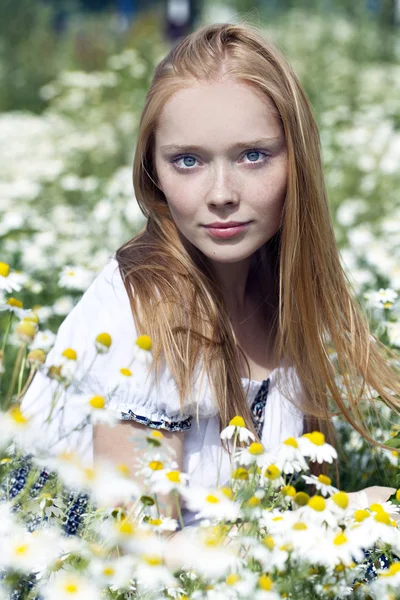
x: 217, y: 112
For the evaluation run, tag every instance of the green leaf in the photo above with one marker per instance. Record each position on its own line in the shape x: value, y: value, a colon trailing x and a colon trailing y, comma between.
x: 393, y: 442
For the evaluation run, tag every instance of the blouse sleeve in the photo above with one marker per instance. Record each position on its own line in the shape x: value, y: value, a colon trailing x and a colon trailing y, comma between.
x: 105, y: 307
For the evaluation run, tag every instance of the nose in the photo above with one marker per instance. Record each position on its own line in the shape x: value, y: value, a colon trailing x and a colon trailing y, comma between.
x: 223, y: 189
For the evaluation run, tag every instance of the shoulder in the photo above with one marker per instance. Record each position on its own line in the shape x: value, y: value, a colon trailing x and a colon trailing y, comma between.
x: 105, y: 306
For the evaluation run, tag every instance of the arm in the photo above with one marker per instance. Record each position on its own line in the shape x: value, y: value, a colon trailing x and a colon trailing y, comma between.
x: 116, y: 445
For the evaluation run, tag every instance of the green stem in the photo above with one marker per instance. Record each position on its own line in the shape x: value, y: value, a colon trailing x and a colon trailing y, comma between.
x: 17, y: 365
x: 7, y: 331
x: 21, y: 373
x: 178, y: 508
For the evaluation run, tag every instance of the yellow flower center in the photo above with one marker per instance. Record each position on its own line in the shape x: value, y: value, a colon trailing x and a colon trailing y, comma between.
x: 4, y: 269
x: 237, y: 422
x: 26, y: 330
x: 240, y: 473
x: 174, y: 476
x: 108, y: 571
x: 301, y: 498
x: 288, y: 490
x: 144, y: 342
x: 126, y: 372
x: 123, y: 469
x: 398, y: 495
x: 324, y: 480
x: 317, y: 503
x: 340, y: 539
x: 272, y: 472
x: 17, y: 416
x: 89, y: 473
x: 155, y: 522
x: 269, y: 542
x: 383, y: 517
x: 36, y: 355
x: 125, y: 527
x: 392, y: 570
x: 232, y: 578
x: 104, y: 339
x: 291, y: 442
x: 361, y: 515
x: 156, y: 465
x: 31, y: 318
x: 341, y: 499
x: 265, y: 583
x: 70, y: 354
x: 153, y: 560
x: 256, y: 448
x: 212, y: 499
x: 22, y: 549
x: 300, y: 526
x: 316, y: 437
x: 253, y: 501
x: 227, y: 492
x: 97, y: 402
x: 71, y: 588
x: 14, y: 302
x: 157, y: 434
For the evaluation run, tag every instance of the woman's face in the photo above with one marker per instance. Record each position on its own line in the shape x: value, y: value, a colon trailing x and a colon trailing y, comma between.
x: 220, y: 156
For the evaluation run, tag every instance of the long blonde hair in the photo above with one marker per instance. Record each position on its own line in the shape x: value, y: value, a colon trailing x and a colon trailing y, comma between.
x: 319, y: 328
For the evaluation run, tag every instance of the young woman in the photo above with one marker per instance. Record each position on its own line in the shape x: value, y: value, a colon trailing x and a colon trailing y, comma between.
x: 236, y: 278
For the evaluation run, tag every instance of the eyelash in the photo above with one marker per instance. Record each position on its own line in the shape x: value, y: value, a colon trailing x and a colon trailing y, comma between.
x: 176, y: 158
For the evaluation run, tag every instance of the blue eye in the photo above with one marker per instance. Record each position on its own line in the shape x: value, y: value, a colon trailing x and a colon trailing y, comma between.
x: 191, y: 159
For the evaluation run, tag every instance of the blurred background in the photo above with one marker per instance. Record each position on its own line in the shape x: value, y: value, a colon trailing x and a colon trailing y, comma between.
x: 73, y: 77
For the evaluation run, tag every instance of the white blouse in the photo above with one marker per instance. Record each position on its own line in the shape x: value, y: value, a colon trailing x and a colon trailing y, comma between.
x: 105, y: 307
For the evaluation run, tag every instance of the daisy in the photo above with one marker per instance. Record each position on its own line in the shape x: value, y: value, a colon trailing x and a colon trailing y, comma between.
x: 109, y: 484
x: 75, y: 277
x: 43, y: 340
x: 317, y: 512
x: 288, y: 457
x: 253, y: 454
x: 237, y: 425
x: 65, y: 585
x: 209, y: 503
x: 8, y: 282
x: 94, y: 407
x: 271, y: 476
x: 314, y: 446
x: 322, y: 484
x: 13, y: 305
x: 113, y: 573
x: 142, y: 350
x: 167, y: 480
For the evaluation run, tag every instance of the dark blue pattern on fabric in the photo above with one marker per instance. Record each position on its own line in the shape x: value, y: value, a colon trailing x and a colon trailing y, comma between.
x: 258, y: 406
x: 163, y: 424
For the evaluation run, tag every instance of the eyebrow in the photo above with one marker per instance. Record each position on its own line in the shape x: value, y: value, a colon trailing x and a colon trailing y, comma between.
x: 250, y: 144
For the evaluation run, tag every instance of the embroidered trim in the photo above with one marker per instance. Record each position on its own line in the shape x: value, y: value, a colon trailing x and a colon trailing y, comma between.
x: 163, y: 424
x: 258, y: 406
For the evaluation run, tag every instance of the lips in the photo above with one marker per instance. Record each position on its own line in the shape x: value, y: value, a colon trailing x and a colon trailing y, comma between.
x: 226, y: 225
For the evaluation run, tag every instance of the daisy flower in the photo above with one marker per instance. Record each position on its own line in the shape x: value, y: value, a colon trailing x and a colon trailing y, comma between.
x: 253, y: 454
x: 43, y: 340
x: 8, y: 282
x: 314, y: 446
x: 322, y: 483
x: 142, y: 350
x: 288, y: 457
x: 114, y: 573
x: 75, y: 278
x: 167, y: 480
x: 93, y: 406
x: 238, y: 425
x: 66, y: 585
x: 209, y: 503
x: 14, y: 306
